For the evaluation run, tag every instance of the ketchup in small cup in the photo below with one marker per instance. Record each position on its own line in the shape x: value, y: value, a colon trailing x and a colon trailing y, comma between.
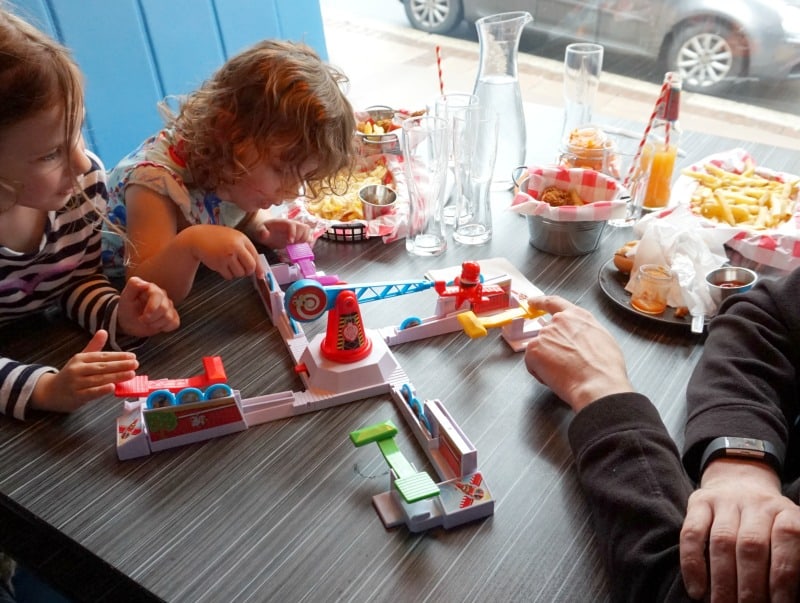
x: 729, y: 280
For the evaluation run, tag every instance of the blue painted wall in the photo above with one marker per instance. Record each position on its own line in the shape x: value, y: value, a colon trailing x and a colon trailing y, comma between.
x: 133, y: 53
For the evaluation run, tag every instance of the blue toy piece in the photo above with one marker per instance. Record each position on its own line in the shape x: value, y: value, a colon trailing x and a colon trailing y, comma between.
x: 218, y: 390
x: 411, y: 321
x: 161, y: 398
x: 416, y: 406
x: 189, y: 395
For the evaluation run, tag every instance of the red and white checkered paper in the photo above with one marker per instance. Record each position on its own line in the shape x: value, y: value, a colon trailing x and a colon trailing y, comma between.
x: 778, y: 247
x: 389, y: 226
x: 600, y: 192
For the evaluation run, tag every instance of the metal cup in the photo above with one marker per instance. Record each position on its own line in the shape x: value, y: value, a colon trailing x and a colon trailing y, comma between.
x: 729, y: 280
x: 376, y: 200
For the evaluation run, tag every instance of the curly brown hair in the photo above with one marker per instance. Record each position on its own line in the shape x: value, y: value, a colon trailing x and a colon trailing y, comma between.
x: 278, y: 99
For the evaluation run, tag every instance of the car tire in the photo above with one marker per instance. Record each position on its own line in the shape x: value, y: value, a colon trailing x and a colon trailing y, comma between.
x: 709, y: 56
x: 434, y: 16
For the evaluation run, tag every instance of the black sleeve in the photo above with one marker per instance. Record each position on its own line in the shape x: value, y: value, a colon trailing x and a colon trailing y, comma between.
x: 631, y: 473
x: 747, y: 381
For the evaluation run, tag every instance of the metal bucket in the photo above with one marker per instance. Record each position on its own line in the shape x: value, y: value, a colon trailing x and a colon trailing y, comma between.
x: 564, y: 238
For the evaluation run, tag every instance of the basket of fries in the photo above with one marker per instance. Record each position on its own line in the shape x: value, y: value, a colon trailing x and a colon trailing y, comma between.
x: 759, y: 207
x: 337, y: 214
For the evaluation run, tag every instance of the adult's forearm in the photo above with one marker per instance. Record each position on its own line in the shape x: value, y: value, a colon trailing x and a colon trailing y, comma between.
x: 630, y: 471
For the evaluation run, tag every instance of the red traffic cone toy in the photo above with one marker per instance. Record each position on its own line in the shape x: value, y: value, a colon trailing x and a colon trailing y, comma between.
x: 345, y: 339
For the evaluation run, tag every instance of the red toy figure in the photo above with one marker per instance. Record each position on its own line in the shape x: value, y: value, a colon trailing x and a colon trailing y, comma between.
x: 468, y: 288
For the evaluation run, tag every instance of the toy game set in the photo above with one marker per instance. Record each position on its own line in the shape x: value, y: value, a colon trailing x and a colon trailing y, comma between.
x: 350, y: 362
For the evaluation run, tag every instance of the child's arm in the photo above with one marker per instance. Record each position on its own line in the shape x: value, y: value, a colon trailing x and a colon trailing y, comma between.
x: 161, y: 253
x: 143, y: 309
x: 87, y: 376
x: 277, y: 233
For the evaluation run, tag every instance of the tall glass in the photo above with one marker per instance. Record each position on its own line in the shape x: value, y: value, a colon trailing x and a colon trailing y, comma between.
x: 627, y: 167
x: 475, y: 144
x: 583, y: 64
x: 425, y: 159
x: 452, y: 106
x: 497, y: 87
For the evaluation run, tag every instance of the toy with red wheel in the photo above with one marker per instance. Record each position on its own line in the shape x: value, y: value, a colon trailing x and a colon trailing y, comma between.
x: 307, y: 300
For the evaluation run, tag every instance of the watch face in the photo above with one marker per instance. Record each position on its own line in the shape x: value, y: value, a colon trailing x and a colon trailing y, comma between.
x: 746, y: 444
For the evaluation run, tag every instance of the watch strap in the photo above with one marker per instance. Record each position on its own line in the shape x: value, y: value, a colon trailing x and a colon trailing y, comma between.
x: 742, y: 448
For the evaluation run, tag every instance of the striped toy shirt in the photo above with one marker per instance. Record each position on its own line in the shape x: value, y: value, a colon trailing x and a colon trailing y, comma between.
x: 65, y: 272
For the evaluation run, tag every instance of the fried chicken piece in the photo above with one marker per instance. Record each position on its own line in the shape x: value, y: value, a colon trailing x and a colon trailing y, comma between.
x: 556, y: 197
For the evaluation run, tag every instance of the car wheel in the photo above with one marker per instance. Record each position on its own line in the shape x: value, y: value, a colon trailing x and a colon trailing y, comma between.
x: 709, y: 56
x: 434, y: 16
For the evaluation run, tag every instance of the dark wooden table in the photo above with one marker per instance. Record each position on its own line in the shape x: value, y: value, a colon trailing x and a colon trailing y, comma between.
x: 283, y: 510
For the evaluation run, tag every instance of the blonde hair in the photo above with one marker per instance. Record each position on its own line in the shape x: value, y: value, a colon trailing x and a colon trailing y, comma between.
x: 278, y: 99
x: 36, y: 74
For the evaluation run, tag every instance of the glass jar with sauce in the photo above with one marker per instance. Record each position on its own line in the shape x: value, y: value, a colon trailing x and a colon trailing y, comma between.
x: 651, y: 288
x: 591, y: 148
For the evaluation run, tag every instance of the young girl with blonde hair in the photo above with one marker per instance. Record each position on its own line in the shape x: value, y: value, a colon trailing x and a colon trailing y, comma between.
x: 52, y: 202
x: 272, y: 120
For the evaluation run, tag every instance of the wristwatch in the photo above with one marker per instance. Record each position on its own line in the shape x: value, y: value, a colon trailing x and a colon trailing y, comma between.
x: 742, y: 448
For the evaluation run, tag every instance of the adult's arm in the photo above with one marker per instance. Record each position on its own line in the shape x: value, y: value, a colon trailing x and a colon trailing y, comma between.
x: 631, y: 473
x: 746, y: 385
x: 747, y: 382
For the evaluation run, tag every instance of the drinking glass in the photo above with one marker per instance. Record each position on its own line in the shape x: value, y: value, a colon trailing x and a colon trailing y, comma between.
x: 451, y: 106
x: 475, y: 150
x: 651, y: 288
x: 583, y: 64
x: 425, y: 157
x: 625, y: 165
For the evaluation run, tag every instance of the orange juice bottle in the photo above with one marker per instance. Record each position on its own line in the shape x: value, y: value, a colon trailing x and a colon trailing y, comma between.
x: 661, y: 148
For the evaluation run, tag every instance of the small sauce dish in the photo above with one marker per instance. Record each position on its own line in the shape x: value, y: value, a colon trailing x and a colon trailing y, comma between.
x: 377, y: 200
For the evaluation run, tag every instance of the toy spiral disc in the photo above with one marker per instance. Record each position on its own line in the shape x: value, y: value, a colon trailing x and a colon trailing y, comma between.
x: 306, y: 300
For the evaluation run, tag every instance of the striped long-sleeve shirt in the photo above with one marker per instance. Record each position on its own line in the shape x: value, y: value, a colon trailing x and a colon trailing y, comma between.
x: 65, y: 271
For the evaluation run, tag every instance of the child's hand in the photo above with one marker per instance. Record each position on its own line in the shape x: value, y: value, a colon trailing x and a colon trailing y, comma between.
x: 226, y: 251
x: 277, y: 233
x: 145, y: 309
x: 87, y: 376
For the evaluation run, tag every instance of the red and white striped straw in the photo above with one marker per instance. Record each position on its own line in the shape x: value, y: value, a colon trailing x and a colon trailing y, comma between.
x: 668, y: 127
x: 439, y: 68
x: 662, y: 98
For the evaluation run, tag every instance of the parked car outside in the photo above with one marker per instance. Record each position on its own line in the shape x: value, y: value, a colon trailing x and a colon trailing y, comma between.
x: 711, y: 43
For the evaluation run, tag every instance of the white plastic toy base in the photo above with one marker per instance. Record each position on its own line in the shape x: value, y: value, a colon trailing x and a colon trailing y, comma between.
x: 464, y: 494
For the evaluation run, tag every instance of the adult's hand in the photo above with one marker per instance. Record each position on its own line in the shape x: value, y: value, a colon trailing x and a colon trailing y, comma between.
x: 748, y: 529
x: 575, y: 356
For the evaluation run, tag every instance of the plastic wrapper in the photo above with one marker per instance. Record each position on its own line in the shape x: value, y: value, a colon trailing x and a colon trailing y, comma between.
x: 690, y: 252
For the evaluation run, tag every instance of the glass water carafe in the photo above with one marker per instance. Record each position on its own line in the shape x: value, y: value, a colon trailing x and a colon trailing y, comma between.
x: 497, y: 87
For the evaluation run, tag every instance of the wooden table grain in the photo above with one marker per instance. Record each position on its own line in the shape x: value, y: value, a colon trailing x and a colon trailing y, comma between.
x: 282, y: 511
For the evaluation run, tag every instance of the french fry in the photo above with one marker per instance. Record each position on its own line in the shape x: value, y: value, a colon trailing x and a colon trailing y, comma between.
x: 576, y: 198
x: 346, y: 207
x: 746, y: 199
